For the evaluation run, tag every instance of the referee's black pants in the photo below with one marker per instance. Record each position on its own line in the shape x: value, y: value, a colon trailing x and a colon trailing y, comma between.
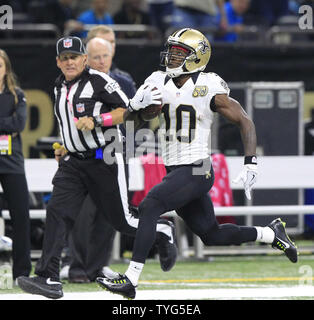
x: 106, y: 184
x: 90, y: 243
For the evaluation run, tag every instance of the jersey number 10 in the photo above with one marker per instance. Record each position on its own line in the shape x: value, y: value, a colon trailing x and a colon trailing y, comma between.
x: 182, y: 111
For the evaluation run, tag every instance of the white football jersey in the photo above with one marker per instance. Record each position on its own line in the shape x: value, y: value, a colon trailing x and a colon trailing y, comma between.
x: 186, y: 118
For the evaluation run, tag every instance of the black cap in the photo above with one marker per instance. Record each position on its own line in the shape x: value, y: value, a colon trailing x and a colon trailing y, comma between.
x: 70, y: 44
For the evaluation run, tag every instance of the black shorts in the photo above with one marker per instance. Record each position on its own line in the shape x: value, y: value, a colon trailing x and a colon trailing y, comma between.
x: 185, y: 189
x: 183, y: 184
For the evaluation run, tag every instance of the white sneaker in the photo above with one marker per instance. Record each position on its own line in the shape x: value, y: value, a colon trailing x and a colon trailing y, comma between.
x: 64, y: 272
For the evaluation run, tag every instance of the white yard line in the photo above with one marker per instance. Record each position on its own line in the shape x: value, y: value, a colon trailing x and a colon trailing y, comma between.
x: 183, y: 294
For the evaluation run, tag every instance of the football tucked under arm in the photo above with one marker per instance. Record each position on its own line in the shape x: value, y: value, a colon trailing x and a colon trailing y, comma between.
x: 134, y: 117
x: 150, y: 112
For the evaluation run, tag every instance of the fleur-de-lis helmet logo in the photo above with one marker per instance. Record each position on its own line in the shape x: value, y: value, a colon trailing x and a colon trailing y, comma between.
x: 203, y: 46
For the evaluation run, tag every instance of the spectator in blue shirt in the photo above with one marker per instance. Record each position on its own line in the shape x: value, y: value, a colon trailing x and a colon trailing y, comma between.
x: 96, y: 15
x: 235, y: 9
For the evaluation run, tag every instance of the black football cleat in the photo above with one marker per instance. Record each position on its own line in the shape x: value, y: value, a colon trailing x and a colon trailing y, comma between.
x: 121, y: 286
x: 42, y: 286
x: 282, y: 240
x: 167, y: 248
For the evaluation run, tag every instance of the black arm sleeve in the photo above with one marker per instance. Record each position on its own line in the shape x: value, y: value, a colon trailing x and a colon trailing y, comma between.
x: 213, y: 104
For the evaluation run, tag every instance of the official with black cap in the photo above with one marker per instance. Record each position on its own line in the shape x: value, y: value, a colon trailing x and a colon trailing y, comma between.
x: 70, y: 45
x: 89, y: 105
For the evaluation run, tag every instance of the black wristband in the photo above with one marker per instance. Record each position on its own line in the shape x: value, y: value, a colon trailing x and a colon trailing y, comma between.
x: 97, y: 121
x: 250, y: 160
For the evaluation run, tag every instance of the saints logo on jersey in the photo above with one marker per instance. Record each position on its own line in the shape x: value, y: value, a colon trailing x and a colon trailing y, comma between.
x: 208, y: 174
x: 200, y: 91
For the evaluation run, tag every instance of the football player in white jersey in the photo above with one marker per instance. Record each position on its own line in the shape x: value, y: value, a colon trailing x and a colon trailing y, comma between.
x: 189, y: 99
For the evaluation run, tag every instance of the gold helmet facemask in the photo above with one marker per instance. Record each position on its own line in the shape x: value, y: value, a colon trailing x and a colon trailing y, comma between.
x: 198, y: 47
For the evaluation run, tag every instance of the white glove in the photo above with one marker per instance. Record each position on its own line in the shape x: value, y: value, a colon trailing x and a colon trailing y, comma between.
x: 145, y: 96
x: 248, y: 175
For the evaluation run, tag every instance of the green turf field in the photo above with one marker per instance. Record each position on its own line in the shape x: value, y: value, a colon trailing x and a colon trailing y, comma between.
x: 219, y: 272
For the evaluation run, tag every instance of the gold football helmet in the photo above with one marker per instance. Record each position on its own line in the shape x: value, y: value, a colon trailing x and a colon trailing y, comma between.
x: 199, y: 51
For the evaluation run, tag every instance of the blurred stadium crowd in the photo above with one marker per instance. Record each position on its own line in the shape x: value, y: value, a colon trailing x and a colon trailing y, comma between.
x: 225, y: 20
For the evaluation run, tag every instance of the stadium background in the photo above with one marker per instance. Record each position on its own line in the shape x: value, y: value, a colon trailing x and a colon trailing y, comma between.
x: 256, y: 58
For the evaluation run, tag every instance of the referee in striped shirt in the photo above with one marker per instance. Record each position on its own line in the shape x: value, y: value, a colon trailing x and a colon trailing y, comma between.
x: 89, y: 105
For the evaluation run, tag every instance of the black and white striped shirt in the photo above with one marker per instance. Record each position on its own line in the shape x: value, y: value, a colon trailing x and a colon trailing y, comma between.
x: 91, y: 94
